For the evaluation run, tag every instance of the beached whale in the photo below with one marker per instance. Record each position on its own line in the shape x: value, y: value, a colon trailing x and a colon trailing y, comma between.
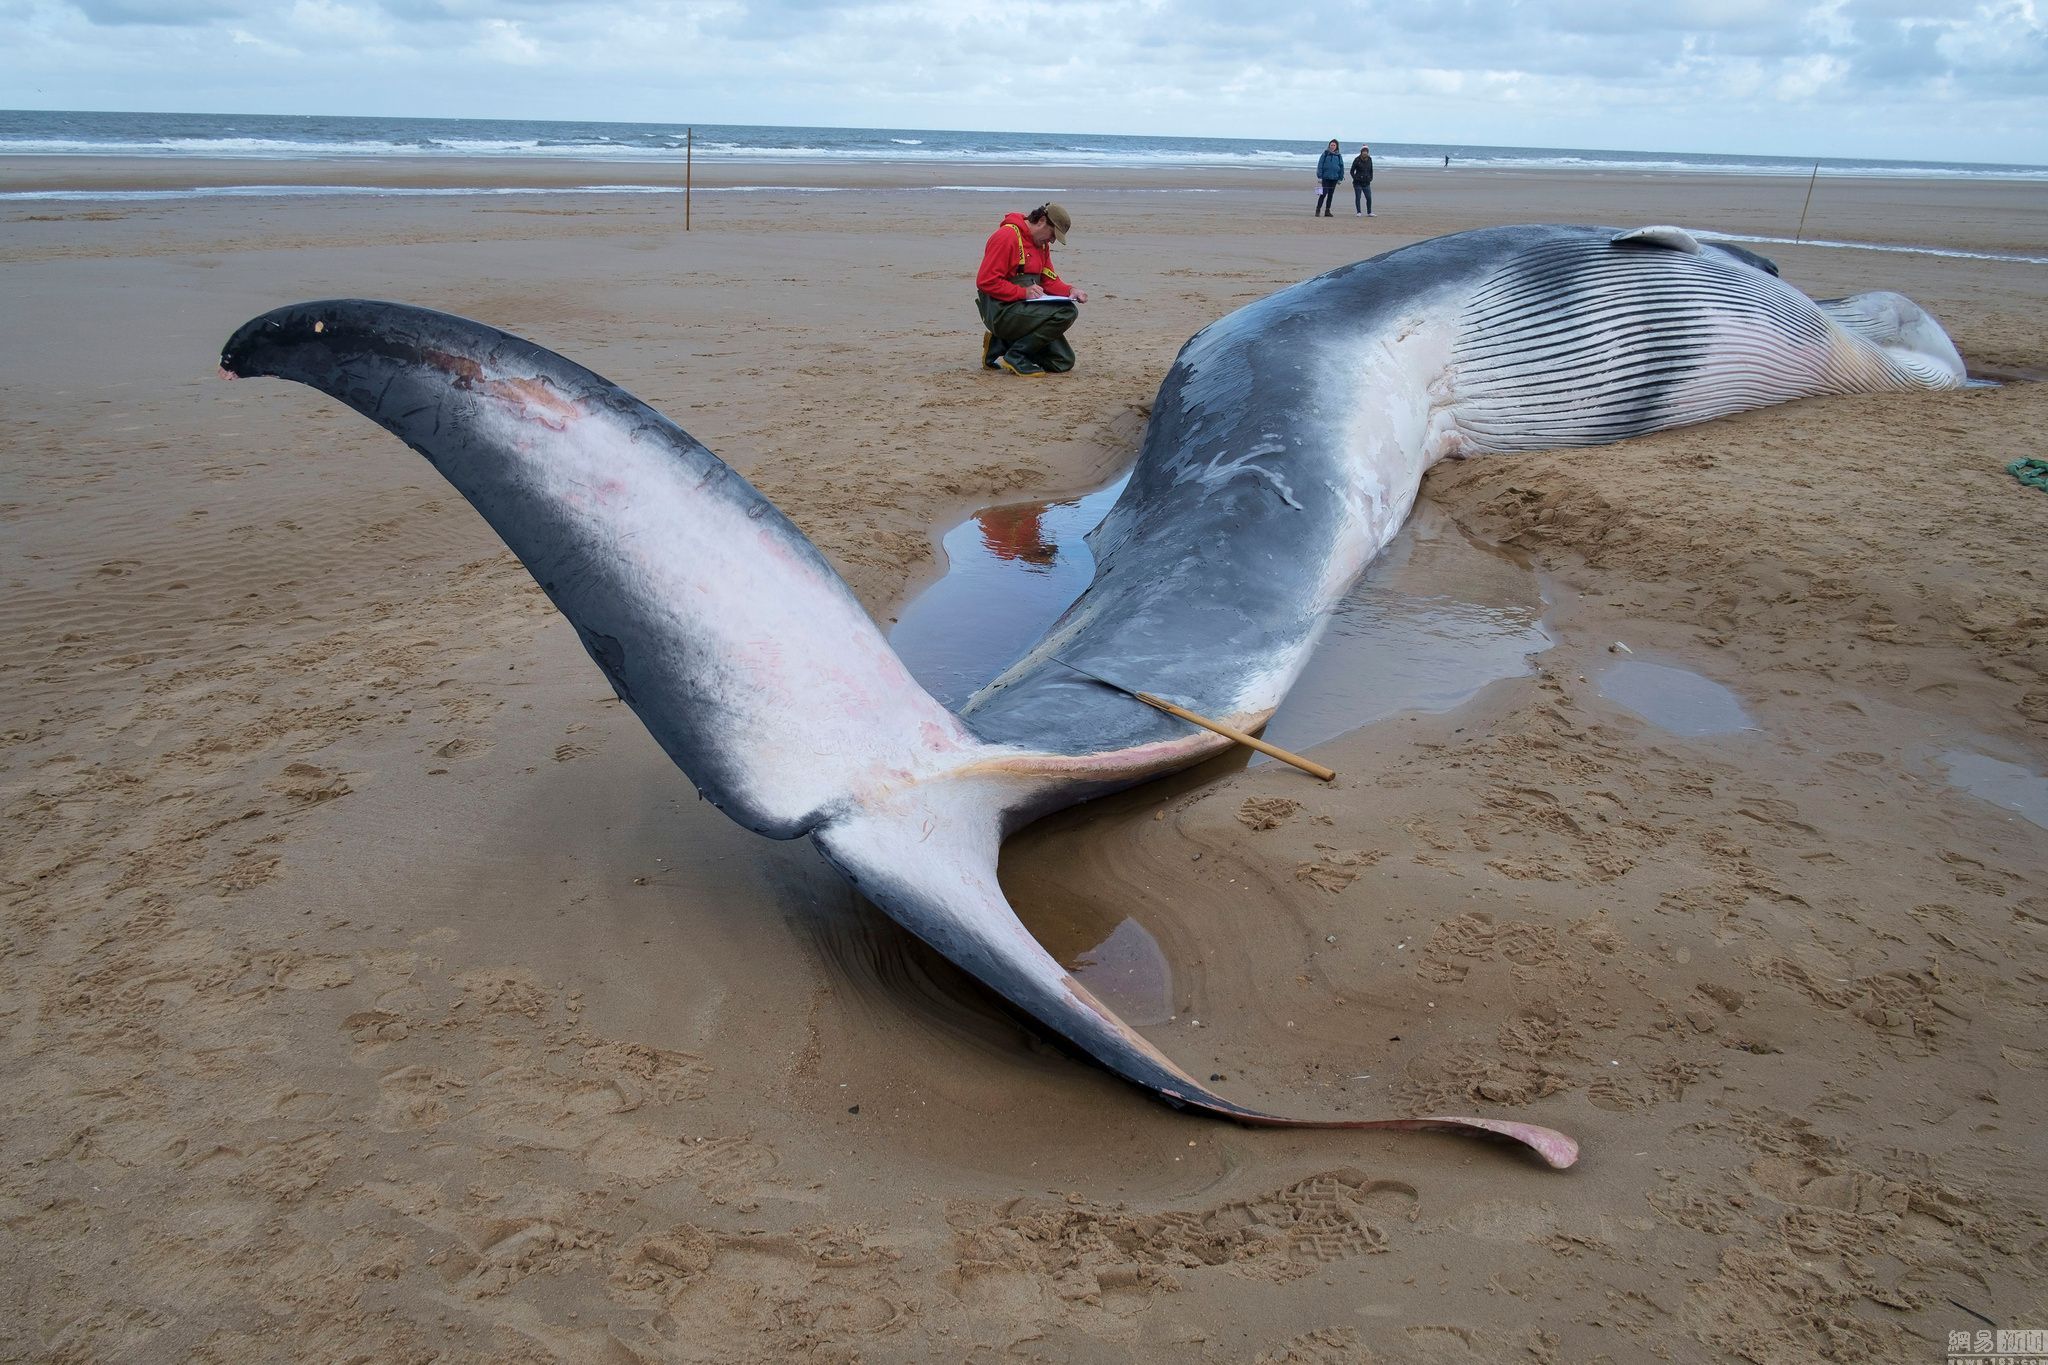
x: 1285, y: 448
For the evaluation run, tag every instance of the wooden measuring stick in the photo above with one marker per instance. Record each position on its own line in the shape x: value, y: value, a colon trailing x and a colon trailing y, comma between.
x: 1228, y: 732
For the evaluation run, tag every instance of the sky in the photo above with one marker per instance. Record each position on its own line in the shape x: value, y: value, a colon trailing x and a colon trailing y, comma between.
x: 1909, y: 79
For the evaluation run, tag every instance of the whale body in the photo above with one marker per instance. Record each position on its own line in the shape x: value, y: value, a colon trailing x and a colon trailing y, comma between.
x: 1285, y: 448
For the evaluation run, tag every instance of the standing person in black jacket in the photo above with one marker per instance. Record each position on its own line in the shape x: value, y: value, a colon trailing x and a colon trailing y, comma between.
x: 1361, y: 181
x: 1329, y: 170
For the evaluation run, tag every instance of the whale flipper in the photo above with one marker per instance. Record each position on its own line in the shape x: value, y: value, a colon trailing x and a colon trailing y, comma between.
x: 1909, y: 338
x: 743, y: 651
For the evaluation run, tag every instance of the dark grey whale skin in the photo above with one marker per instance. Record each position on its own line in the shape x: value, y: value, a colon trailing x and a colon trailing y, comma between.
x: 1193, y: 582
x: 1196, y: 586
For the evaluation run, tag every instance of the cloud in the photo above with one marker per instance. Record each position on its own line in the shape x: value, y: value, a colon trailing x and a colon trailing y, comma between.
x: 1967, y: 78
x: 505, y: 40
x: 162, y: 13
x: 243, y: 38
x: 336, y: 22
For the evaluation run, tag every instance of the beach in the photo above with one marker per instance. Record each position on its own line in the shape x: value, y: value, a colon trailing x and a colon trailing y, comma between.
x: 373, y: 988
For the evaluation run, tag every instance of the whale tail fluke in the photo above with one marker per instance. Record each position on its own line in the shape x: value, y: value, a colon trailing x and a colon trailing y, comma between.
x: 928, y: 858
x: 739, y: 646
x: 711, y: 614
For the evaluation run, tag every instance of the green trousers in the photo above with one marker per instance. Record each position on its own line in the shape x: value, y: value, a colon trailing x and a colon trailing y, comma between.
x: 1035, y: 331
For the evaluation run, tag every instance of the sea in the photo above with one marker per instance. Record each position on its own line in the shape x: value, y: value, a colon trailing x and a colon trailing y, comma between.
x: 612, y: 151
x: 623, y: 146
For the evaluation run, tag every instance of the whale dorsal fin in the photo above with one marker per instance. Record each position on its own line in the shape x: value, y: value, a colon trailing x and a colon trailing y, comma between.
x: 1666, y: 236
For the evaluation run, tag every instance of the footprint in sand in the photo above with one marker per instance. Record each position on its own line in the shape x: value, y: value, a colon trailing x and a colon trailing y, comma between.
x: 304, y: 784
x: 245, y: 873
x: 372, y: 1030
x: 462, y: 746
x: 1325, y: 1346
x: 416, y: 1098
x: 1339, y: 1214
x: 1337, y: 870
x: 515, y: 1248
x: 728, y: 1169
x: 1266, y: 812
x: 843, y: 1285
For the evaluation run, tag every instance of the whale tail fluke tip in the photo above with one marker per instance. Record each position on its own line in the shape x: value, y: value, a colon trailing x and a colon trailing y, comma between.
x: 928, y: 859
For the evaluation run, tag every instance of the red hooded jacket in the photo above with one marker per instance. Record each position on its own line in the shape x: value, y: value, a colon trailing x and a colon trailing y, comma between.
x: 1010, y: 251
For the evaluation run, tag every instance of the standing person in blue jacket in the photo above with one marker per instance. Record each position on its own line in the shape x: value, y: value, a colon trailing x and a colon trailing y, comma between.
x: 1329, y: 170
x: 1361, y: 181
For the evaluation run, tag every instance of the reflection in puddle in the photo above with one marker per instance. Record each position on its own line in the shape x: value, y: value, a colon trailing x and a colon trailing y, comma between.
x: 1674, y: 699
x: 2002, y: 784
x: 1436, y: 618
x: 1010, y: 572
x: 1110, y: 953
x: 1127, y: 971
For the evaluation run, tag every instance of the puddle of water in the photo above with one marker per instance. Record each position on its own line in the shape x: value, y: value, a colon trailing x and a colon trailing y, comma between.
x: 1111, y: 953
x: 1128, y: 970
x: 1010, y: 572
x: 1437, y: 617
x: 2000, y: 783
x: 1674, y: 699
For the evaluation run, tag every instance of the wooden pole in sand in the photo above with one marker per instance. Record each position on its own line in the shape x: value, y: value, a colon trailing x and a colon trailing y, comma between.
x: 689, y: 157
x: 1801, y: 234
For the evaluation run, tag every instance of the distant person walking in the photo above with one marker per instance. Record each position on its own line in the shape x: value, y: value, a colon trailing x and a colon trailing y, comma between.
x: 1025, y: 305
x: 1361, y: 181
x: 1447, y: 163
x: 1329, y: 170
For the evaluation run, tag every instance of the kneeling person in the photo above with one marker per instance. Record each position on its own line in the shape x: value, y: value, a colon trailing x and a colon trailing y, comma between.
x: 1025, y: 305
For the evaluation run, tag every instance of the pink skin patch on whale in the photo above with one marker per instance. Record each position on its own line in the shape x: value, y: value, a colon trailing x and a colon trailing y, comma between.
x: 534, y: 399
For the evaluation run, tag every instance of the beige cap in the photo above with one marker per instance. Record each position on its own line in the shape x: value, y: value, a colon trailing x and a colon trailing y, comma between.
x: 1062, y: 221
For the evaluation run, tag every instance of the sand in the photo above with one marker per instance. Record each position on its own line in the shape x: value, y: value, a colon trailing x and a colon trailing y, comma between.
x: 372, y: 988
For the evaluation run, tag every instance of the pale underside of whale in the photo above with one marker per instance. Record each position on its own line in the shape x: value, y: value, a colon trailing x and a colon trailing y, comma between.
x: 1286, y: 447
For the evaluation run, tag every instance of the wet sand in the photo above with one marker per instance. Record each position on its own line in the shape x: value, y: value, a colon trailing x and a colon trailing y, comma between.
x: 373, y: 988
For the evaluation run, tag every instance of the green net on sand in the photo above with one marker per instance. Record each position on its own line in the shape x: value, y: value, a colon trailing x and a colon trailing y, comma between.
x: 2030, y: 471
